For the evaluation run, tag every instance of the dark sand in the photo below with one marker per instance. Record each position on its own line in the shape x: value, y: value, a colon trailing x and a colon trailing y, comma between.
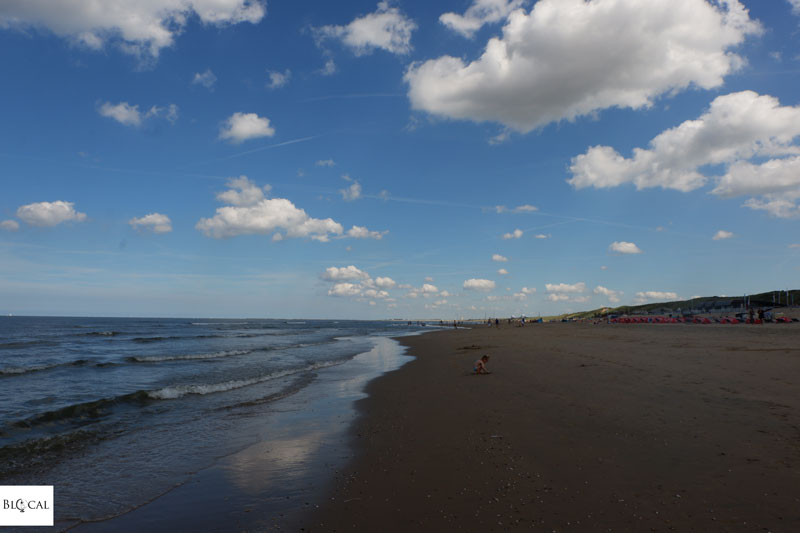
x: 580, y: 428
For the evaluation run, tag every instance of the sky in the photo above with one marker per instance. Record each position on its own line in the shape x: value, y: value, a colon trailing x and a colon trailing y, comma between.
x: 404, y: 159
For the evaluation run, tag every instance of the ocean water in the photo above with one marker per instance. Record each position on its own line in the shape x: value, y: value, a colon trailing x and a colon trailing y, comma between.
x: 115, y: 412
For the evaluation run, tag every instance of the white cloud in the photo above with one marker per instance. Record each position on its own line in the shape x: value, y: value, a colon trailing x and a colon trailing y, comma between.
x: 240, y: 127
x: 565, y: 287
x: 155, y: 222
x: 207, y: 79
x: 543, y: 236
x: 350, y: 272
x: 350, y: 281
x: 329, y: 69
x: 525, y: 208
x: 568, y: 58
x: 345, y: 289
x: 622, y: 247
x: 516, y: 234
x: 47, y: 214
x: 374, y: 293
x: 263, y: 216
x: 482, y: 285
x: 360, y: 232
x: 781, y: 206
x: 563, y: 292
x: 139, y: 27
x: 648, y: 296
x: 242, y: 192
x: 479, y: 13
x: 385, y: 29
x: 429, y: 279
x: 122, y: 112
x: 9, y: 225
x: 612, y: 295
x: 429, y: 289
x: 526, y: 290
x: 353, y: 192
x: 722, y: 234
x: 502, y: 272
x: 795, y: 6
x: 278, y: 79
x: 499, y: 258
x: 385, y: 283
x: 325, y: 163
x: 736, y: 127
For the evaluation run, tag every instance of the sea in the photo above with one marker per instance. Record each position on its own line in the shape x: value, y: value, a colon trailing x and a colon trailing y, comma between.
x: 117, y: 412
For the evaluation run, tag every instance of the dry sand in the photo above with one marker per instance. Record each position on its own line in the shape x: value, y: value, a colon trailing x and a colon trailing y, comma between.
x: 580, y: 428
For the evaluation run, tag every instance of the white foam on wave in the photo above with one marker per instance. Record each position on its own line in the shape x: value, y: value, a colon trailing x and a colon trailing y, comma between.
x: 214, y: 355
x: 14, y: 370
x: 179, y: 391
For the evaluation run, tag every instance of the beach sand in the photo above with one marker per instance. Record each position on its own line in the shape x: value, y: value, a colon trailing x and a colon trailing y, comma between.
x: 580, y: 427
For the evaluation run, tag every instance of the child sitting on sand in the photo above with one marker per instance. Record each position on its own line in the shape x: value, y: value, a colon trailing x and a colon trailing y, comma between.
x: 480, y: 365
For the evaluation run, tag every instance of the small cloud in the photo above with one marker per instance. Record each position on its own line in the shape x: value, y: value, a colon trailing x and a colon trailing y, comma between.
x: 385, y: 283
x: 329, y: 69
x: 9, y: 225
x: 603, y: 267
x: 622, y: 247
x: 240, y: 127
x: 345, y: 289
x: 154, y: 222
x: 353, y: 192
x: 648, y: 296
x: 499, y: 258
x: 278, y: 79
x: 483, y: 285
x: 503, y: 272
x: 386, y: 29
x: 613, y: 296
x: 129, y: 115
x: 500, y: 209
x: 124, y: 113
x: 344, y: 273
x: 790, y: 246
x: 48, y: 214
x: 429, y: 279
x: 325, y: 163
x: 721, y: 235
x: 526, y: 290
x: 543, y: 236
x: 516, y: 234
x: 500, y: 138
x: 207, y: 79
x: 360, y: 232
x: 525, y: 208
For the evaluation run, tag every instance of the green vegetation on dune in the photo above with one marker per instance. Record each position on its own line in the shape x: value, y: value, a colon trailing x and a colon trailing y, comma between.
x: 701, y: 304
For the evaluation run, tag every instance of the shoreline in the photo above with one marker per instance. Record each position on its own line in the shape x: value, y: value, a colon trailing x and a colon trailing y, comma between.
x: 270, y: 484
x: 586, y: 427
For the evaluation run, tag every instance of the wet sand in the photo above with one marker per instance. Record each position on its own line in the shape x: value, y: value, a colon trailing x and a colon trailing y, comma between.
x: 580, y: 427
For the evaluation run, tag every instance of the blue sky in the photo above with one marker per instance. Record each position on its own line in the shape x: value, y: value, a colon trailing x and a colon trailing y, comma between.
x: 470, y: 158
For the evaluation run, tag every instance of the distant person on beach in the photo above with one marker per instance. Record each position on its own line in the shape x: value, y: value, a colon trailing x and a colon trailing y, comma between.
x: 752, y: 316
x: 480, y: 365
x: 497, y: 322
x: 761, y: 314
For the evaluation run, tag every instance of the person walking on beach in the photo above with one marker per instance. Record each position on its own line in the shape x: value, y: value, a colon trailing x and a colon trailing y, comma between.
x: 480, y: 365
